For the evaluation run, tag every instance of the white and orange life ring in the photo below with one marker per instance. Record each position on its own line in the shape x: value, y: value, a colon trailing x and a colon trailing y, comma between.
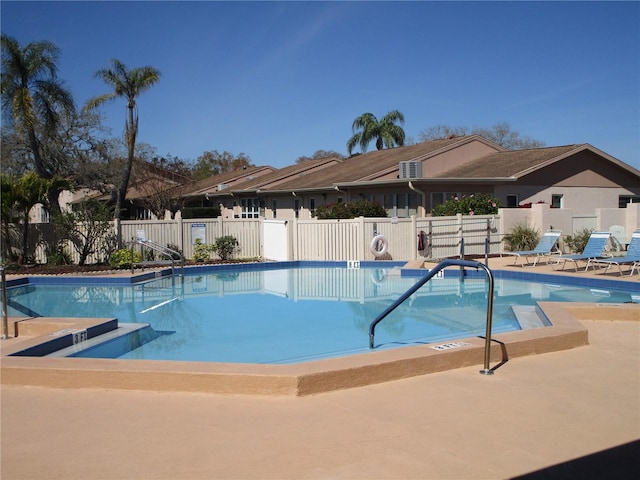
x: 379, y: 245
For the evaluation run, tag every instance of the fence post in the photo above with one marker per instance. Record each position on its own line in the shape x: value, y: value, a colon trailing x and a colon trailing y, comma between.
x: 414, y: 229
x: 487, y: 243
x: 180, y: 235
x: 295, y: 248
x: 361, y: 241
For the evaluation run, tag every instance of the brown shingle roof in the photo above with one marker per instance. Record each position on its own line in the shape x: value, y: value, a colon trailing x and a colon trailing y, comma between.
x: 291, y: 172
x: 367, y: 166
x: 507, y: 164
x: 210, y: 184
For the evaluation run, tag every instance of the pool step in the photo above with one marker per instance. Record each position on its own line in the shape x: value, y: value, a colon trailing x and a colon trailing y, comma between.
x: 530, y: 316
x: 122, y: 330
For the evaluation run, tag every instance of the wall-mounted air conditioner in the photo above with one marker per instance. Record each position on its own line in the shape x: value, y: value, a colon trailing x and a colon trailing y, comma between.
x: 410, y: 169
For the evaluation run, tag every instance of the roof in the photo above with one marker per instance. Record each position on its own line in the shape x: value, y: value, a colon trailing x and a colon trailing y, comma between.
x: 211, y: 184
x: 507, y: 164
x: 514, y: 164
x: 372, y: 165
x: 291, y: 173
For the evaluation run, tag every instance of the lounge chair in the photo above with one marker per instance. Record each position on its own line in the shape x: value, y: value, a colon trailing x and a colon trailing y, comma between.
x: 631, y: 258
x: 594, y: 249
x: 545, y: 248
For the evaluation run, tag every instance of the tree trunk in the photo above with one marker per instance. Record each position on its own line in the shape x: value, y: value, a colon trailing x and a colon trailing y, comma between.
x: 130, y: 137
x: 37, y: 158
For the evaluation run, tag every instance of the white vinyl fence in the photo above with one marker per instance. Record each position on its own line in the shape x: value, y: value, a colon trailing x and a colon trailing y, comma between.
x: 407, y: 238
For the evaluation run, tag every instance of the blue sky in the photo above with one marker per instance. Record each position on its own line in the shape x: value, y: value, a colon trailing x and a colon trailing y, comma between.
x: 278, y: 80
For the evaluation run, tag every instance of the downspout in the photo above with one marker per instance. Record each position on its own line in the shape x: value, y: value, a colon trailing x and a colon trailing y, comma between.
x: 422, y: 194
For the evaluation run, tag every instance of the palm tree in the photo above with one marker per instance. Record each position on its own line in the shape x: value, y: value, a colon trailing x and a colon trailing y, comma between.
x: 127, y: 84
x: 33, y: 96
x: 385, y: 132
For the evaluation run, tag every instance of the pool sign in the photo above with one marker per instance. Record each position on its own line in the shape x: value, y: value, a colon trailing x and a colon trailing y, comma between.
x: 198, y: 232
x: 79, y: 336
x: 449, y: 346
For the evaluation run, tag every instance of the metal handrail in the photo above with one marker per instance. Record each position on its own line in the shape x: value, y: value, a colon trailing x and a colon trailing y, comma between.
x: 433, y: 272
x: 166, y: 251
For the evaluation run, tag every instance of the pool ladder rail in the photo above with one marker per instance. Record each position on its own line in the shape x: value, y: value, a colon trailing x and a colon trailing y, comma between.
x: 432, y: 273
x: 166, y: 252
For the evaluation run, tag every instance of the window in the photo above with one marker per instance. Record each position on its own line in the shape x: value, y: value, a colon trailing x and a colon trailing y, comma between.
x: 44, y: 215
x: 624, y: 199
x: 312, y: 205
x: 512, y: 201
x: 437, y: 198
x: 556, y: 201
x: 250, y: 208
x: 412, y: 204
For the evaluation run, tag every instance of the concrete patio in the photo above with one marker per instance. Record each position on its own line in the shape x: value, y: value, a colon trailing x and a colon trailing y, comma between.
x: 568, y: 414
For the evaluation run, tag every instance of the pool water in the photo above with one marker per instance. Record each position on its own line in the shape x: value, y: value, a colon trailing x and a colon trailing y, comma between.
x: 291, y: 315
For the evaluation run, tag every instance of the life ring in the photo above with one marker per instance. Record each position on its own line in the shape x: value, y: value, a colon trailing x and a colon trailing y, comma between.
x: 378, y: 276
x: 379, y: 245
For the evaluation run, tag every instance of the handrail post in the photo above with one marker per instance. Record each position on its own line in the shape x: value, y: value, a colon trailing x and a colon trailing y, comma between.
x: 487, y: 342
x: 441, y: 266
x: 5, y: 319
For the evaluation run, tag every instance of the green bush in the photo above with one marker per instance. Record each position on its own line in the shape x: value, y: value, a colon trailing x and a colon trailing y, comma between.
x: 226, y: 247
x: 58, y: 256
x: 475, y: 204
x: 202, y: 251
x: 122, y: 258
x: 522, y: 237
x: 578, y: 241
x: 361, y: 208
x: 175, y: 248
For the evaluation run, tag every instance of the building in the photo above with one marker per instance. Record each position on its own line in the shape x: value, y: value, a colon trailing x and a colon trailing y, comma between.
x: 411, y: 180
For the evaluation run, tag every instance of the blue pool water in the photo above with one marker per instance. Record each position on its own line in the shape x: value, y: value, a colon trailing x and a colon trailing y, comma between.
x: 286, y: 315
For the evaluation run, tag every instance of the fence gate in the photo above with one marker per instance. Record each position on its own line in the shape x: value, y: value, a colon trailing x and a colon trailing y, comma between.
x: 276, y: 240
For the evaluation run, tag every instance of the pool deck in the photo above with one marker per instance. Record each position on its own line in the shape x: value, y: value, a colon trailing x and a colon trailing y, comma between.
x: 565, y: 414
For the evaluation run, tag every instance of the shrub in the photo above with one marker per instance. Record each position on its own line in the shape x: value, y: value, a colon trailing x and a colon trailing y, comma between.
x: 175, y: 248
x: 58, y: 256
x: 475, y: 204
x: 522, y: 237
x: 202, y: 251
x: 361, y: 208
x: 226, y: 247
x: 578, y: 241
x: 122, y: 258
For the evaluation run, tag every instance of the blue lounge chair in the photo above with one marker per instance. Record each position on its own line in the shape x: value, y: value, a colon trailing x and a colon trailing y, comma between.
x: 631, y: 258
x: 545, y: 248
x: 594, y: 249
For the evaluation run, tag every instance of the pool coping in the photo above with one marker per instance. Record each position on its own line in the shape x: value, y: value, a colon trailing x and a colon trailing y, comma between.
x: 310, y: 377
x: 296, y: 379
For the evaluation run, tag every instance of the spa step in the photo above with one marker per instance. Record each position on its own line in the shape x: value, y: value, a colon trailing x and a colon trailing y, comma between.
x: 529, y: 316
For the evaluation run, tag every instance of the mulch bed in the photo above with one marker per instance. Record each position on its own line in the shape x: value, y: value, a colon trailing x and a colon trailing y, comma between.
x: 42, y: 269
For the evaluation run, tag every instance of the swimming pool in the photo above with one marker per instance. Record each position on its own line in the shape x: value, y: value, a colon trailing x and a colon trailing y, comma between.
x: 291, y: 315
